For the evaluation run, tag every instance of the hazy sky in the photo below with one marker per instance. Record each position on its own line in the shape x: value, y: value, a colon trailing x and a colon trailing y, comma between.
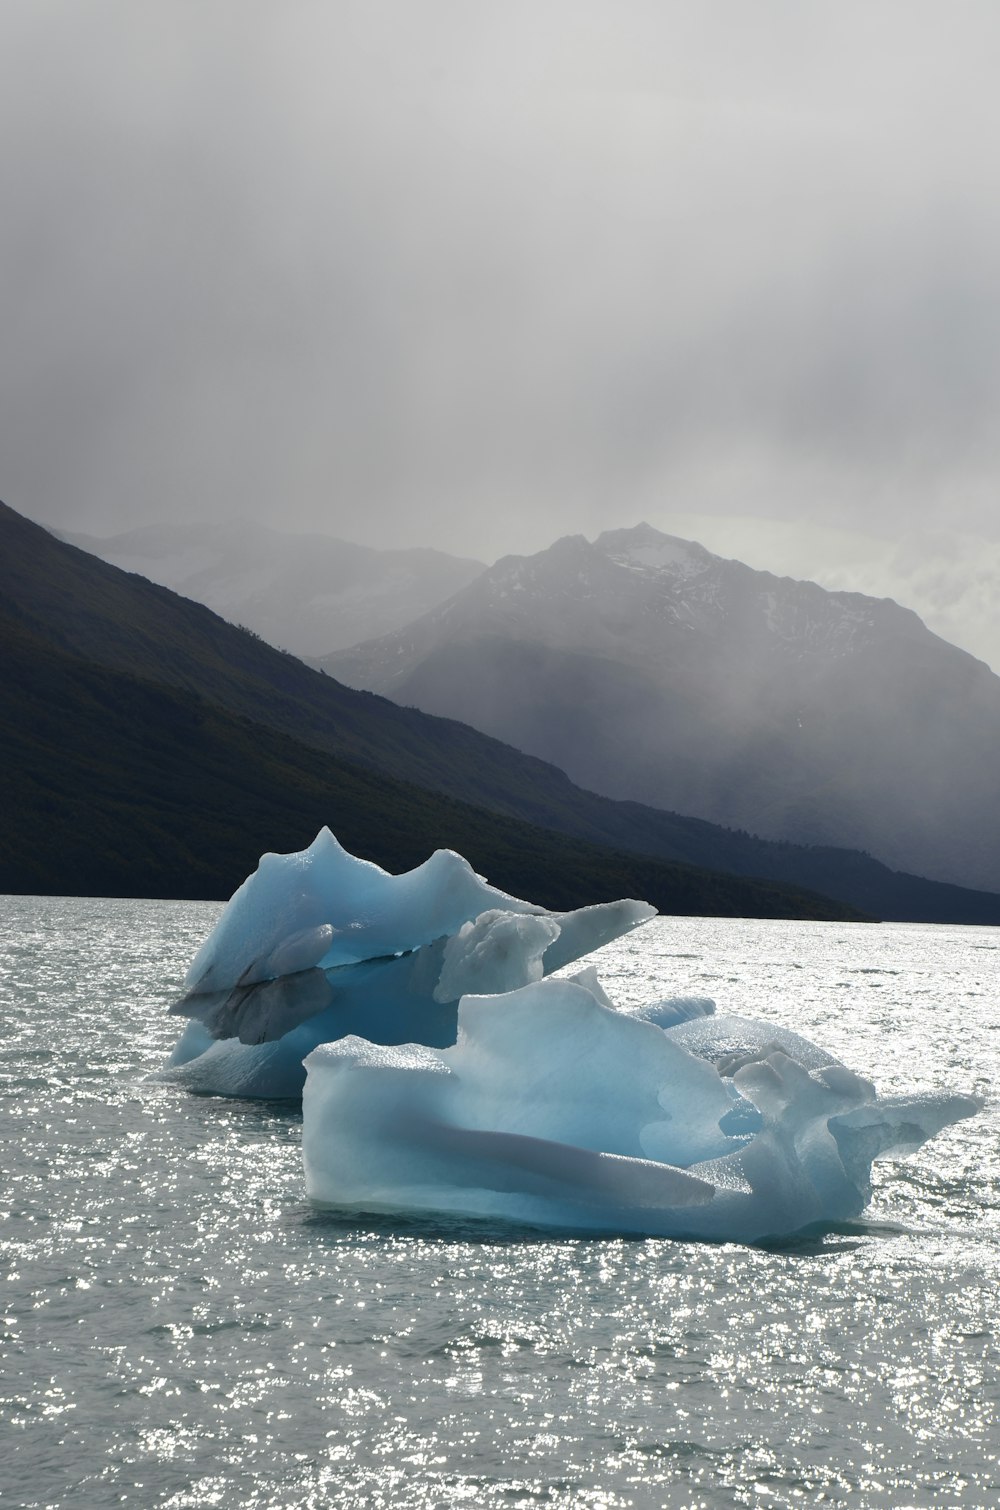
x: 480, y: 274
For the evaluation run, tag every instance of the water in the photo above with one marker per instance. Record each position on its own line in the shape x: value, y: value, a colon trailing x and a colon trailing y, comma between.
x: 178, y: 1328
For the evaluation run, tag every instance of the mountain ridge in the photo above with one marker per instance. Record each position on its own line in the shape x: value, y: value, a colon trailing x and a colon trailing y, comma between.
x: 80, y: 606
x: 155, y: 792
x: 653, y: 671
x: 307, y: 593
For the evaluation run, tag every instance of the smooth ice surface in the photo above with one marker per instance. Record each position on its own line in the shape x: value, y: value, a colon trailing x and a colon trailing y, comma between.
x: 552, y: 1108
x: 319, y: 944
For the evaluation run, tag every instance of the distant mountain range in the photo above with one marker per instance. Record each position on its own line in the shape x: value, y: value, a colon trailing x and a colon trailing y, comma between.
x: 309, y: 594
x: 149, y: 748
x: 649, y: 669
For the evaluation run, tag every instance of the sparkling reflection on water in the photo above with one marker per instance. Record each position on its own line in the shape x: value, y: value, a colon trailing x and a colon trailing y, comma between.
x: 180, y: 1329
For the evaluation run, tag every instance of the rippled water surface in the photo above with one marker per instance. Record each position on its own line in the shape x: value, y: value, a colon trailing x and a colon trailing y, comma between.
x: 179, y: 1328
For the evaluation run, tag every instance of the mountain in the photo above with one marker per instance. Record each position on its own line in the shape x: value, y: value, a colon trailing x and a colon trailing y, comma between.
x: 305, y: 593
x: 111, y: 784
x: 134, y: 649
x: 649, y: 669
x: 114, y: 786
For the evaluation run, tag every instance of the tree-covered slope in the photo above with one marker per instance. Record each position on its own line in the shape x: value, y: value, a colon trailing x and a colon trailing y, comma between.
x: 111, y: 785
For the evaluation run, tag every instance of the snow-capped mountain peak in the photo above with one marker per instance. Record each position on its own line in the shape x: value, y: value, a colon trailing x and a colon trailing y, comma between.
x: 644, y: 548
x: 649, y: 668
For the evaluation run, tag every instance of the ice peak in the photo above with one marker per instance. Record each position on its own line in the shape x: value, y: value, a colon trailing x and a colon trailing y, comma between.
x: 647, y: 548
x: 641, y: 548
x: 642, y: 533
x: 571, y: 545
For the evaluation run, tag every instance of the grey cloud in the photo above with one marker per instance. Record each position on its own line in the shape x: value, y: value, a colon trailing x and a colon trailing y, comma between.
x: 480, y: 275
x: 949, y: 577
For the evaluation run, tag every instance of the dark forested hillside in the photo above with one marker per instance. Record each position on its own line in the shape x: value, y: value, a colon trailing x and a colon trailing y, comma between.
x: 111, y: 785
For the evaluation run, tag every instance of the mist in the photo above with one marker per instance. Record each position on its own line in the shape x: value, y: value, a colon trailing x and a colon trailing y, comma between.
x: 480, y: 276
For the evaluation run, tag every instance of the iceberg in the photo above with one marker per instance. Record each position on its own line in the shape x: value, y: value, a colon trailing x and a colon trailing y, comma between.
x: 319, y: 945
x: 554, y: 1109
x: 443, y: 1069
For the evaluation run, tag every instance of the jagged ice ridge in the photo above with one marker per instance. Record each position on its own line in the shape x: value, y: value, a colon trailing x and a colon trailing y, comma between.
x: 319, y: 944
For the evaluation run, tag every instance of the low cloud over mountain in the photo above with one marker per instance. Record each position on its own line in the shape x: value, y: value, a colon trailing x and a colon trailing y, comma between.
x: 305, y: 593
x: 650, y: 669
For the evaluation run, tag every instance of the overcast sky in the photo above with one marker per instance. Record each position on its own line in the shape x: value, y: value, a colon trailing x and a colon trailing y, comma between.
x: 481, y: 274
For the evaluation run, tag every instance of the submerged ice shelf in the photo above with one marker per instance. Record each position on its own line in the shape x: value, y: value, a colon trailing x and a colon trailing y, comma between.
x: 444, y: 1073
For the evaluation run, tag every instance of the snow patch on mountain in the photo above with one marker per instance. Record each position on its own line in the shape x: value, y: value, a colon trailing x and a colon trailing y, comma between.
x: 650, y: 669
